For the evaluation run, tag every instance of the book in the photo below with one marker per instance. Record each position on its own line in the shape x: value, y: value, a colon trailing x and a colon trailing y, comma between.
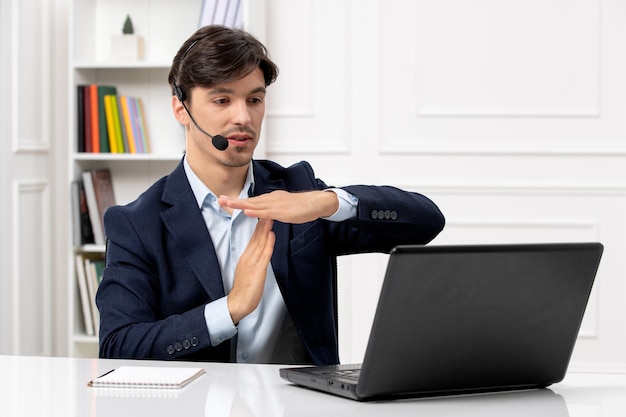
x: 147, y: 377
x: 103, y: 186
x: 92, y: 206
x: 104, y: 90
x: 100, y: 196
x: 89, y: 267
x: 75, y: 208
x: 135, y: 124
x: 128, y: 124
x: 83, y: 292
x: 93, y: 276
x: 87, y: 137
x: 117, y: 125
x: 143, y: 126
x: 110, y: 121
x: 234, y: 16
x: 221, y: 12
x: 97, y: 266
x: 122, y: 123
x: 83, y: 233
x: 80, y: 118
x: 93, y: 116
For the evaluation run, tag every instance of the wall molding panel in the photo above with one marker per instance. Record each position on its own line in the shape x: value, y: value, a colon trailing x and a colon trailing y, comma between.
x: 301, y: 116
x: 31, y: 259
x: 491, y: 64
x: 30, y: 66
x: 477, y: 71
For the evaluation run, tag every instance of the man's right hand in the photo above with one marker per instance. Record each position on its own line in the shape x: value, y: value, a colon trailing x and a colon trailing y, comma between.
x: 287, y: 207
x: 251, y: 272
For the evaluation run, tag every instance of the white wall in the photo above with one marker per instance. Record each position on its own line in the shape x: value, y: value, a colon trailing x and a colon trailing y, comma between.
x: 35, y: 196
x: 4, y: 184
x: 510, y: 115
x: 30, y: 50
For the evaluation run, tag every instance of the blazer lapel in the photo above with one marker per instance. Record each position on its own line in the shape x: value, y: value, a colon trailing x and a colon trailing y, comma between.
x: 185, y: 223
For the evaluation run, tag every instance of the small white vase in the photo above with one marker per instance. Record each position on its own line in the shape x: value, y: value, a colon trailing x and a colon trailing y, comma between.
x: 127, y: 48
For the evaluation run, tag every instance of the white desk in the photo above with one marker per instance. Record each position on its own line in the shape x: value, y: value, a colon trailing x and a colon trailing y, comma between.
x: 32, y: 386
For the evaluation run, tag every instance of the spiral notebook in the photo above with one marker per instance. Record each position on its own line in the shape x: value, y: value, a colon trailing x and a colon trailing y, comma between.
x: 153, y: 377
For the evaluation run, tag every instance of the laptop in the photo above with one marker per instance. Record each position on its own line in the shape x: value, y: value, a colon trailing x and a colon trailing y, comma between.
x: 465, y: 319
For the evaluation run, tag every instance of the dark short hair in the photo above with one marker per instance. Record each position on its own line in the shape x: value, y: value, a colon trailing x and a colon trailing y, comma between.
x: 218, y: 54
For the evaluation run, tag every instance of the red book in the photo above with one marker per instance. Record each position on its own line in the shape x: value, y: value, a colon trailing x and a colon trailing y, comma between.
x: 99, y: 194
x: 103, y: 187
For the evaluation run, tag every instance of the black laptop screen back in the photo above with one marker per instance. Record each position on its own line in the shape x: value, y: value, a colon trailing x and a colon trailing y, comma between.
x: 474, y: 318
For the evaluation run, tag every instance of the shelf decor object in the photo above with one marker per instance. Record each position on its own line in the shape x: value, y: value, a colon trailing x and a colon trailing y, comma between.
x: 127, y: 47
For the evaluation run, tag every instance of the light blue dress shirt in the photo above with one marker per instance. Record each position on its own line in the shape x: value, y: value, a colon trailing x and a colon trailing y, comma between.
x: 257, y: 333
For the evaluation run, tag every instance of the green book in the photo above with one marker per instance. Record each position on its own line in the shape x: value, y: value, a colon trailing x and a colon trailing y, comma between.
x: 104, y: 90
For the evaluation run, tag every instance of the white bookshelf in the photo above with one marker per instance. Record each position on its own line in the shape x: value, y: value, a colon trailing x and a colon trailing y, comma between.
x: 164, y: 25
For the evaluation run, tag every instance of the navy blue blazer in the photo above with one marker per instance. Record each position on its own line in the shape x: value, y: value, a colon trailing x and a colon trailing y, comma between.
x: 161, y: 266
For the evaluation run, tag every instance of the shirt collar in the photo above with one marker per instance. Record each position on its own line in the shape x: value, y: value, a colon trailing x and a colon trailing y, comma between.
x: 201, y: 192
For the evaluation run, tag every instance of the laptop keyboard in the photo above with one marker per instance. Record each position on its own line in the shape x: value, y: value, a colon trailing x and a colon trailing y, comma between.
x: 346, y: 374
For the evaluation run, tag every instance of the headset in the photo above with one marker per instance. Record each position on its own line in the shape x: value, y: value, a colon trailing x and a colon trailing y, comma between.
x: 219, y: 141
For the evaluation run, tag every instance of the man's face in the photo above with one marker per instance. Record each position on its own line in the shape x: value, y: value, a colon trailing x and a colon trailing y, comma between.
x: 234, y: 110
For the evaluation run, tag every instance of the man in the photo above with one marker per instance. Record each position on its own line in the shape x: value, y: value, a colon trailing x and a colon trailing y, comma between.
x: 230, y: 258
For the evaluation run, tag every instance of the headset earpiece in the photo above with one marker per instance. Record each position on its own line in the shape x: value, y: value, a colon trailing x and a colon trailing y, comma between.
x: 177, y: 90
x: 179, y: 93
